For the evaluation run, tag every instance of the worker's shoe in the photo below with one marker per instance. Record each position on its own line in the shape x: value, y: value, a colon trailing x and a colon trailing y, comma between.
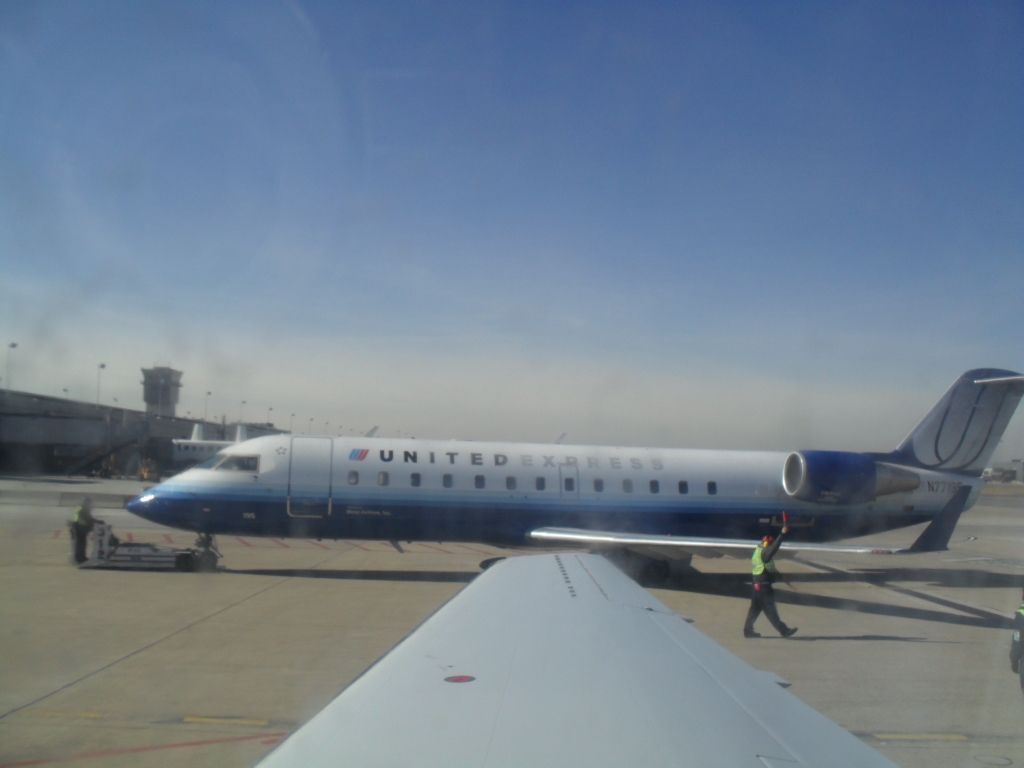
x: 789, y: 631
x: 751, y: 633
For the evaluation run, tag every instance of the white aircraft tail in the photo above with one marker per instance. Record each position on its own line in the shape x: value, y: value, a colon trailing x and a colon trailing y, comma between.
x: 961, y: 432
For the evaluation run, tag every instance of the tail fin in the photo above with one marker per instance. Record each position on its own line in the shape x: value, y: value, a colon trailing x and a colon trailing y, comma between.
x: 960, y: 433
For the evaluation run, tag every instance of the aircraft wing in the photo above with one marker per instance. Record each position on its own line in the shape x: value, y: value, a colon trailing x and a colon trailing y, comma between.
x: 556, y: 660
x: 934, y: 538
x: 693, y: 544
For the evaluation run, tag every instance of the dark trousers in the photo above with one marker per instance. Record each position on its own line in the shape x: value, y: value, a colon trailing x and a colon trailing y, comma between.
x: 763, y: 599
x: 79, y: 538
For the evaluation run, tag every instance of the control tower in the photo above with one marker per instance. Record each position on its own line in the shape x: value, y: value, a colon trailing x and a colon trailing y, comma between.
x: 160, y: 390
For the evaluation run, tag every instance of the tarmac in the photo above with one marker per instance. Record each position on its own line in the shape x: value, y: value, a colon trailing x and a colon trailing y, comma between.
x: 129, y: 668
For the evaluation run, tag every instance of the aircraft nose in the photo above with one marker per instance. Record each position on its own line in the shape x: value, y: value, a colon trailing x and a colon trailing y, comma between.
x: 171, y: 508
x: 143, y: 505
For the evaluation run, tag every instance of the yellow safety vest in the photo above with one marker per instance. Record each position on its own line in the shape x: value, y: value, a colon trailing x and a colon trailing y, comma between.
x: 78, y: 518
x: 759, y: 565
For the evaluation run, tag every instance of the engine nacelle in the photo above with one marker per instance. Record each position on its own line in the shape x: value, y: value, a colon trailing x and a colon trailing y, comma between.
x: 838, y: 477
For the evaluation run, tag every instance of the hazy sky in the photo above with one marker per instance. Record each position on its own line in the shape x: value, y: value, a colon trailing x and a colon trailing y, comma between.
x: 709, y: 224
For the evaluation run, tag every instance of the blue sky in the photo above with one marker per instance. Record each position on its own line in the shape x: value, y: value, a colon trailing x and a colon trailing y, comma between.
x: 721, y: 224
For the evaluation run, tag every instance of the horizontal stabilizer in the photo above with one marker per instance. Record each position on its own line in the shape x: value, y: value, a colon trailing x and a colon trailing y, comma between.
x: 1014, y: 379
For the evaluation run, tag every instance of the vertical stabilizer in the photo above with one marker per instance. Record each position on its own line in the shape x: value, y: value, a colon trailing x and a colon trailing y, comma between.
x: 960, y: 433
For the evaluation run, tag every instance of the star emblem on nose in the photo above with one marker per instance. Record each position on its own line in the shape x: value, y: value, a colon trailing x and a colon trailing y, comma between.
x: 282, y: 451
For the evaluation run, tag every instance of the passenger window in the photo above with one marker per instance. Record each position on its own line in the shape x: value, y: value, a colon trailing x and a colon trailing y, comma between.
x: 353, y: 477
x: 382, y: 478
x: 510, y: 483
x: 655, y: 486
x: 414, y: 479
x: 446, y: 481
x: 684, y: 487
x: 540, y: 484
x: 712, y: 488
x: 627, y: 486
x: 570, y: 484
x: 478, y: 481
x: 598, y: 484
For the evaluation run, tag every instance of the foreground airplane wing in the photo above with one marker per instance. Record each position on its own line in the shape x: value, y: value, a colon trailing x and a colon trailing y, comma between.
x: 556, y: 660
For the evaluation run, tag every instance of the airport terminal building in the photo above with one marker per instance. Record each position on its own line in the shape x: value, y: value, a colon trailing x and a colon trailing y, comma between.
x: 45, y: 434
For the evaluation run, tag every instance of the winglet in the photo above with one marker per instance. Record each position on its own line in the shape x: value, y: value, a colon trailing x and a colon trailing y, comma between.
x: 935, y: 538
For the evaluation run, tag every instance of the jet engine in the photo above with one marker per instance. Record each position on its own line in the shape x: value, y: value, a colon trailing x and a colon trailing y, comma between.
x: 838, y: 477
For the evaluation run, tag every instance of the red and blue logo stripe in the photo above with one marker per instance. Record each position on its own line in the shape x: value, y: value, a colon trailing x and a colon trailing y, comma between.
x: 358, y: 454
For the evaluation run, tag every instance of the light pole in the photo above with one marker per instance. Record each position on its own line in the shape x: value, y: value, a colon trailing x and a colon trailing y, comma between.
x: 241, y: 413
x: 206, y: 402
x: 270, y: 410
x: 12, y: 345
x: 291, y: 423
x: 310, y: 430
x: 99, y: 370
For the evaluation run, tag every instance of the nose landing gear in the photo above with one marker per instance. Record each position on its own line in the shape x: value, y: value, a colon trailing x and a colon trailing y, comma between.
x: 206, y: 559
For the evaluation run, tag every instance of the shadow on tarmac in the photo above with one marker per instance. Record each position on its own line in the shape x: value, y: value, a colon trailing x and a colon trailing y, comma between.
x: 937, y: 577
x: 458, y: 577
x: 870, y: 638
x: 738, y: 585
x: 726, y: 585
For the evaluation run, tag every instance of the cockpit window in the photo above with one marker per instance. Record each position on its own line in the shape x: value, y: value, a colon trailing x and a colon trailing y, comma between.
x: 240, y: 463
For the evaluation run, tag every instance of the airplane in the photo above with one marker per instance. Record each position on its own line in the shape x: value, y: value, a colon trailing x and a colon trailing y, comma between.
x: 197, y: 449
x: 562, y: 659
x: 654, y: 505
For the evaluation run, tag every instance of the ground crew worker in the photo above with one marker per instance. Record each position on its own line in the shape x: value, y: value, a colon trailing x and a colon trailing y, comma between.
x: 1015, y: 641
x: 81, y: 525
x: 762, y: 597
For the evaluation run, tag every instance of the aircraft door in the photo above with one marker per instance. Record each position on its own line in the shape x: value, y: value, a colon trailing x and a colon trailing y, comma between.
x: 569, y: 480
x: 309, y: 477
